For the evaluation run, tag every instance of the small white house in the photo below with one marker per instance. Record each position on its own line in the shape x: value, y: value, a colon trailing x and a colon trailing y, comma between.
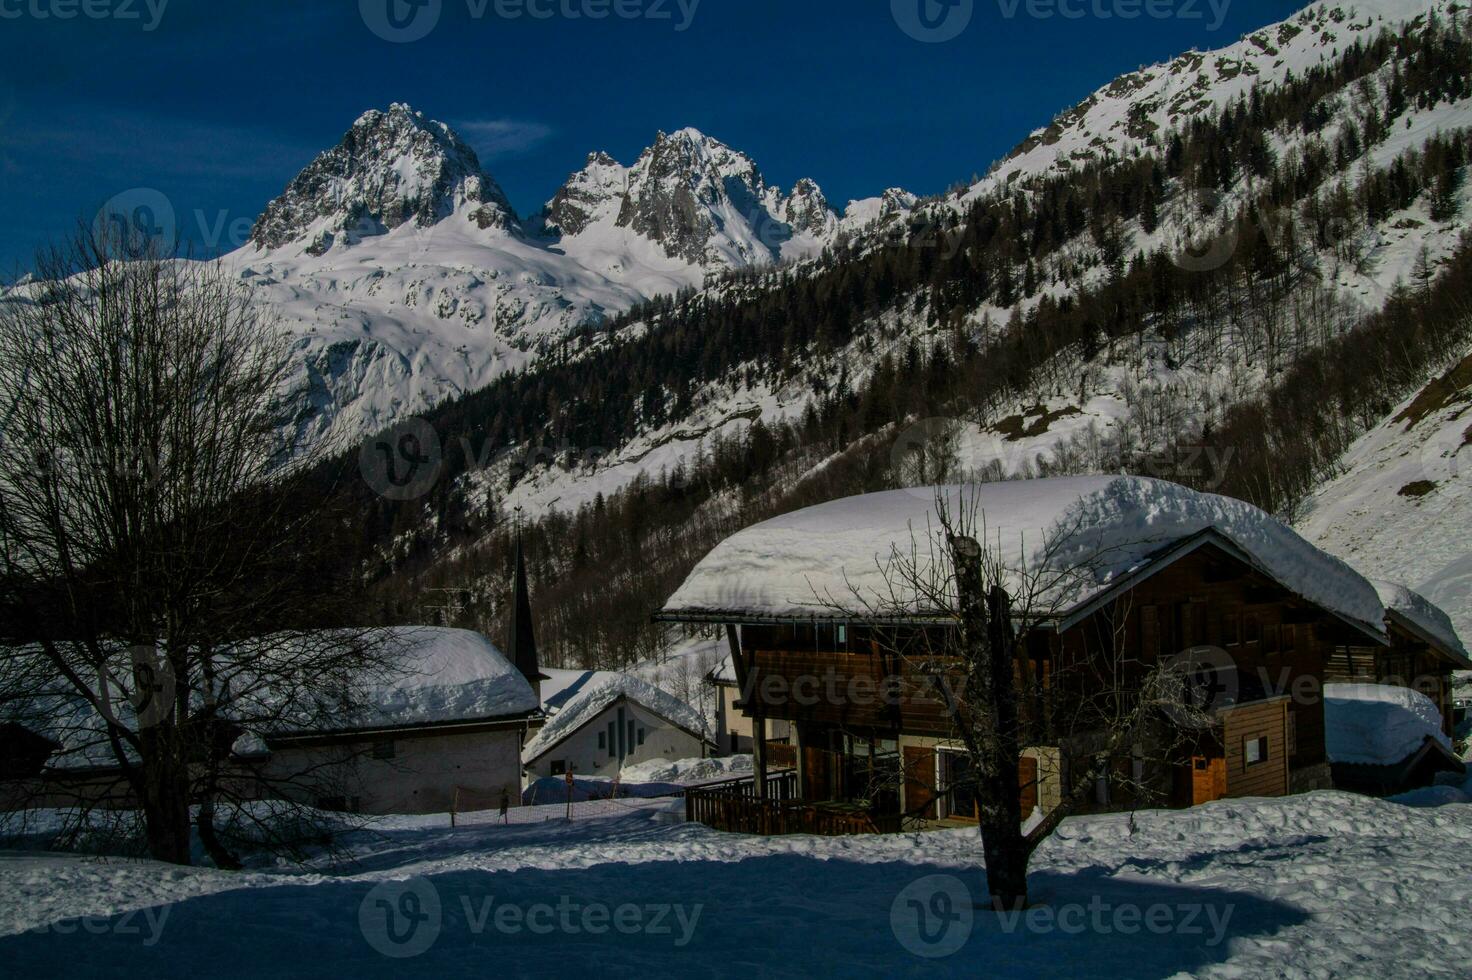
x: 734, y: 731
x: 444, y: 734
x: 610, y: 720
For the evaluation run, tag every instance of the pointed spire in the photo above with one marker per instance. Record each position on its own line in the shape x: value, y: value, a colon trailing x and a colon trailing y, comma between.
x: 523, y: 646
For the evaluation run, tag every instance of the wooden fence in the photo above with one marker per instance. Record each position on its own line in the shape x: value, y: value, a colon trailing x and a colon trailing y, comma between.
x: 733, y: 806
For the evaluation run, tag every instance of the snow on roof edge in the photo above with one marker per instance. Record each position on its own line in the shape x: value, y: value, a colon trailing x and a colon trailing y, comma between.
x: 778, y: 568
x: 601, y: 693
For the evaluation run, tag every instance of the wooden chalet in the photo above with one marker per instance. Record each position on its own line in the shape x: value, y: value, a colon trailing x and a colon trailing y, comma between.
x: 1161, y: 570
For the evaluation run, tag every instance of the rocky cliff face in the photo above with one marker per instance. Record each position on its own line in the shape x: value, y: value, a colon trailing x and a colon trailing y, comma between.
x: 698, y: 200
x: 391, y: 168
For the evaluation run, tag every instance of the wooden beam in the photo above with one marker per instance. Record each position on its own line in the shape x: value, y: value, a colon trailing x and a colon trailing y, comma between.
x: 753, y: 704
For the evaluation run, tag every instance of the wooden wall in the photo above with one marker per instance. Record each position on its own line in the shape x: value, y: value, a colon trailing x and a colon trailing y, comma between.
x: 1267, y: 719
x: 1279, y: 644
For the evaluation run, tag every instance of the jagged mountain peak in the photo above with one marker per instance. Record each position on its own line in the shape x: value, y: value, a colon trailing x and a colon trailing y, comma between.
x: 699, y: 200
x: 393, y: 167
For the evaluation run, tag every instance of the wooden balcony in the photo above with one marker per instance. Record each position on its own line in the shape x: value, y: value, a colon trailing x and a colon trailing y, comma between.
x: 733, y: 805
x: 859, y: 690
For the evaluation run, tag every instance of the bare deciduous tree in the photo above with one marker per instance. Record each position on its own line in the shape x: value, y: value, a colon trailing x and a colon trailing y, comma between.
x: 164, y: 567
x: 987, y: 611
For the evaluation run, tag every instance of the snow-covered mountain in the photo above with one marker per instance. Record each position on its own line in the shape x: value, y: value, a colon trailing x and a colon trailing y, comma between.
x: 1336, y: 131
x: 391, y: 168
x: 698, y: 199
x: 407, y: 277
x: 1131, y: 114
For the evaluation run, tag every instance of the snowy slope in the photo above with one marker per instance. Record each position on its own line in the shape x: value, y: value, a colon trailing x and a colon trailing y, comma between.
x: 1078, y: 425
x: 1125, y: 117
x: 1403, y: 499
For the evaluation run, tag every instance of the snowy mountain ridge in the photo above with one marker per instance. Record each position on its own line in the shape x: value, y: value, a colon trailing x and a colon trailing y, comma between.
x: 406, y: 276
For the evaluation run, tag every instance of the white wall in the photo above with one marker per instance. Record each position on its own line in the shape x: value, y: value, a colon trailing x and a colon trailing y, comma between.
x: 422, y: 776
x: 734, y: 728
x: 580, y: 753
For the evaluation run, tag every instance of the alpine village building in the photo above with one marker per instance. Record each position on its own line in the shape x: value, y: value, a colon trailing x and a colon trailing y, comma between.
x: 1120, y: 573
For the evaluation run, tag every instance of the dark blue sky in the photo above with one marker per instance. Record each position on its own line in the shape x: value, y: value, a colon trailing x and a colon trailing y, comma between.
x: 224, y: 101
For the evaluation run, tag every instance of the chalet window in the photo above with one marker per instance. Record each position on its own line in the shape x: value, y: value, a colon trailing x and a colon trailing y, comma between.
x: 1270, y: 642
x: 1252, y: 630
x: 630, y: 742
x: 603, y: 740
x: 612, y: 737
x: 841, y: 637
x: 1291, y: 733
x: 1150, y: 631
x: 641, y: 736
x: 383, y: 748
x: 1254, y: 750
x: 559, y: 767
x: 1232, y: 629
x: 1290, y: 638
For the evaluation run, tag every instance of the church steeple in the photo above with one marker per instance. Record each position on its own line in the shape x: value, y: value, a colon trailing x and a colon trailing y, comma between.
x: 522, y: 648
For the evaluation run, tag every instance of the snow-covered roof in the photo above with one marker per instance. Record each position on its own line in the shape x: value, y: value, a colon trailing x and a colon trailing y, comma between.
x: 1424, y: 615
x: 445, y: 675
x: 563, y: 684
x: 1062, y: 541
x: 448, y: 675
x: 1376, y: 724
x: 603, y: 691
x: 725, y: 671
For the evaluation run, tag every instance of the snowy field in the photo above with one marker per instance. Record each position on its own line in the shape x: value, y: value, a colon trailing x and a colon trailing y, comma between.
x: 1325, y: 884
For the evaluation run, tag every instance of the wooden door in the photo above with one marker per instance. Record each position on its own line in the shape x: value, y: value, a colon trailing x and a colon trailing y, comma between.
x: 1208, y: 779
x: 919, y: 781
x: 1027, y: 784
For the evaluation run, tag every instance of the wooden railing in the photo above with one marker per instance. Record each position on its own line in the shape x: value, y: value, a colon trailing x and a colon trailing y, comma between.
x: 734, y: 806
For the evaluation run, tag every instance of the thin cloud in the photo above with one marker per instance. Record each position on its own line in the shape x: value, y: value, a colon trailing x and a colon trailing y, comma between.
x: 498, y: 138
x: 170, y: 146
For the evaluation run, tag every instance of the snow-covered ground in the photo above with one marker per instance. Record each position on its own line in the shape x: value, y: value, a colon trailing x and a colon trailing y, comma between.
x: 1325, y: 884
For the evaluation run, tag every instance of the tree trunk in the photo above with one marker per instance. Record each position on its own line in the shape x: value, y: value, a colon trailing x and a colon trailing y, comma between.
x: 992, y: 702
x: 165, y: 798
x: 218, y: 852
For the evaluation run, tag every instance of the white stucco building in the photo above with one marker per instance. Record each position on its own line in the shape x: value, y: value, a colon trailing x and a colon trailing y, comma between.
x: 608, y: 721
